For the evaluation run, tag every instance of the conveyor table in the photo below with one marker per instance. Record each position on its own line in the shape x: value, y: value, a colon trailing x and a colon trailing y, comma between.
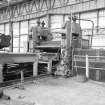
x: 18, y: 58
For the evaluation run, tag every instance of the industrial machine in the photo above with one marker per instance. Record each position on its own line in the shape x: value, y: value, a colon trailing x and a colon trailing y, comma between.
x: 60, y: 52
x: 52, y: 57
x: 4, y: 40
x: 48, y: 51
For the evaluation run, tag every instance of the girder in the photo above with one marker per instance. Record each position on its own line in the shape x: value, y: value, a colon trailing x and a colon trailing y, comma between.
x: 47, y: 6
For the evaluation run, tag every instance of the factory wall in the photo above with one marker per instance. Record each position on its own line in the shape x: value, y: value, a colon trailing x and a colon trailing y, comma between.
x: 54, y: 16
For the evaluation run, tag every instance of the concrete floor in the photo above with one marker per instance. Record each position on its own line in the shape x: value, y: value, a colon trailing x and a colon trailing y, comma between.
x: 60, y: 91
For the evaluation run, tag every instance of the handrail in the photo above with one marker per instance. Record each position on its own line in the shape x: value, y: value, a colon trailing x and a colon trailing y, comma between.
x: 89, y: 56
x: 89, y: 61
x: 90, y: 67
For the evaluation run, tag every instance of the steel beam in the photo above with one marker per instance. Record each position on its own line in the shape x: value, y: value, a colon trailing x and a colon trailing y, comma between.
x: 37, y: 6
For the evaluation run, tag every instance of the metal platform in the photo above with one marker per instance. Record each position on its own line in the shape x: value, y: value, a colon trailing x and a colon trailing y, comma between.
x: 17, y: 57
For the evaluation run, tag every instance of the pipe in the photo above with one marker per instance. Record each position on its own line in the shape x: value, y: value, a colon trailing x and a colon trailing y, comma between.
x: 92, y: 28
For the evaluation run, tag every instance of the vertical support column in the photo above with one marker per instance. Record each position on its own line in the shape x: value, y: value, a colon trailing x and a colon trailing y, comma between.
x: 98, y: 17
x: 97, y: 54
x: 97, y: 75
x: 11, y: 34
x: 22, y: 76
x: 49, y: 21
x: 69, y: 43
x: 19, y: 35
x: 28, y: 47
x: 1, y: 73
x: 49, y: 67
x: 97, y: 71
x: 22, y: 80
x: 11, y: 27
x: 87, y: 67
x: 35, y: 67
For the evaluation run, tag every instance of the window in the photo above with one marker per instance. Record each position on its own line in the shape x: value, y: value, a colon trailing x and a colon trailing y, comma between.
x: 23, y: 43
x: 23, y: 36
x: 2, y: 28
x: 98, y: 42
x: 15, y: 50
x: 56, y: 24
x: 24, y: 27
x: 16, y: 29
x: 88, y: 16
x: 16, y: 37
x: 102, y: 18
x: 32, y: 23
x: 15, y: 42
x: 87, y: 26
x: 7, y: 29
x: 56, y: 21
